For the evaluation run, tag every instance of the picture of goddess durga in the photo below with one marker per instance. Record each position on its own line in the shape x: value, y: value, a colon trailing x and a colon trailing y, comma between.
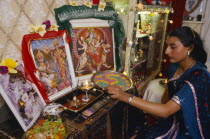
x: 93, y: 50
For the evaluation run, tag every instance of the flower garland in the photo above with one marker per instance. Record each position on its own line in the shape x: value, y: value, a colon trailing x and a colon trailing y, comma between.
x: 43, y: 28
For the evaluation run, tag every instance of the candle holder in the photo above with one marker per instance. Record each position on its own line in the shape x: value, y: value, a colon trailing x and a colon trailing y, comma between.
x: 86, y: 86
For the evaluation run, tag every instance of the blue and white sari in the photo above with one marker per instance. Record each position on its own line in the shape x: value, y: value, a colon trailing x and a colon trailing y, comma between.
x: 192, y: 92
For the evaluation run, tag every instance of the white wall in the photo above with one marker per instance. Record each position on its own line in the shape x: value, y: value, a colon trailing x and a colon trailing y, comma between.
x: 202, y: 27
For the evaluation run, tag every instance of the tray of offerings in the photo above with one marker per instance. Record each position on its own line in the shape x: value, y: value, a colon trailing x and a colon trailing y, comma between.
x: 75, y: 101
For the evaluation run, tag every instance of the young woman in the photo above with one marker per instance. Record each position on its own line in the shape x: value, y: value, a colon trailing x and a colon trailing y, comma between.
x: 187, y: 112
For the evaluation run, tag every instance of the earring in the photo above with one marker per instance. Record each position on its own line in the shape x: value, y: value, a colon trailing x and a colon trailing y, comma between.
x: 188, y: 53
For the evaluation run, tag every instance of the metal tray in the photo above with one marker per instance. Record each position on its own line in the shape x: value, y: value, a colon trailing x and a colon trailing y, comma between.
x: 104, y: 78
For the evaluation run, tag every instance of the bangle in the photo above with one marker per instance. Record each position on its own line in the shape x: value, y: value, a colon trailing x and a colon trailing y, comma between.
x: 130, y: 98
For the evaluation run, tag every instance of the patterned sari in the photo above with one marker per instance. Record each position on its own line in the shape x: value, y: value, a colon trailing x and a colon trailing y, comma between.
x: 192, y: 92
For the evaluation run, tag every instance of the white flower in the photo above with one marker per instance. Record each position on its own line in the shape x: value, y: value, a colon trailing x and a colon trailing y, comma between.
x: 73, y: 3
x: 32, y: 29
x: 101, y: 6
x: 88, y: 4
x: 40, y: 29
x: 54, y: 28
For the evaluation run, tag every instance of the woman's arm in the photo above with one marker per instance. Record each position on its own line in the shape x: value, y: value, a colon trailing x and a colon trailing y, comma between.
x: 165, y: 97
x: 160, y: 110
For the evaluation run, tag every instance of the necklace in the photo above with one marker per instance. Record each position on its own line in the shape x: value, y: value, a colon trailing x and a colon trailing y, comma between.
x: 179, y: 75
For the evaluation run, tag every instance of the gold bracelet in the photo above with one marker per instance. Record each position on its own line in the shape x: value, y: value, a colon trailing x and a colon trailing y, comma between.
x: 130, y: 98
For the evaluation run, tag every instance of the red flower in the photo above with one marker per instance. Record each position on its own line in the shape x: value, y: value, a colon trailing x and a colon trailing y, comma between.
x: 4, y: 69
x: 47, y: 23
x: 206, y: 104
x: 196, y: 73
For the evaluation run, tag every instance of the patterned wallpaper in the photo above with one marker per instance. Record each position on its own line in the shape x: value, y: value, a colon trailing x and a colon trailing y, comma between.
x: 15, y: 19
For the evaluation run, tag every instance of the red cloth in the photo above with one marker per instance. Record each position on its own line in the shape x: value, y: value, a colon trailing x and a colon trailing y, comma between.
x: 95, y: 1
x: 29, y: 65
x: 178, y: 15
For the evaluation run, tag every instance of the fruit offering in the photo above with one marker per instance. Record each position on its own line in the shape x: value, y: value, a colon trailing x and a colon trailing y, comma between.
x: 45, y: 129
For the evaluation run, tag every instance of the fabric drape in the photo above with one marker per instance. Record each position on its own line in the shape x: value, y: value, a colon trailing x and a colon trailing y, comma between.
x: 28, y: 61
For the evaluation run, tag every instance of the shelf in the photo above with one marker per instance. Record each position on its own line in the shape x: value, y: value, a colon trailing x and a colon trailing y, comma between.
x: 194, y: 22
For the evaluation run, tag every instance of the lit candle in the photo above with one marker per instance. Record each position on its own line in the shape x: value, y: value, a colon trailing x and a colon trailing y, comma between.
x: 125, y: 73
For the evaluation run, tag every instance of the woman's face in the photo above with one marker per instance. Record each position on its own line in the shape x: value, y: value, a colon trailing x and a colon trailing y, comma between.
x: 175, y: 50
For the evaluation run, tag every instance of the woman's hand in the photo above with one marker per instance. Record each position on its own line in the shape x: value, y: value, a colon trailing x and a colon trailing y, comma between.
x: 117, y: 93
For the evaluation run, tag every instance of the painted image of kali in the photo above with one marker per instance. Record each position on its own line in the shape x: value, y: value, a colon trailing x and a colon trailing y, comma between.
x: 52, y: 64
x: 92, y: 50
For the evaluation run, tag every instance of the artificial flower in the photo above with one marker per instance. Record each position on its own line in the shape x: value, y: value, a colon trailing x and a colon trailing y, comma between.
x: 41, y: 29
x: 101, y: 6
x: 32, y: 29
x: 73, y: 3
x: 47, y: 23
x: 3, y: 69
x: 11, y: 64
x: 88, y: 4
x: 54, y: 27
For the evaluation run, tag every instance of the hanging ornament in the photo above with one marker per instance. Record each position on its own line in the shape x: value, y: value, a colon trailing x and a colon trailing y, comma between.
x: 140, y: 6
x: 167, y: 11
x: 152, y: 14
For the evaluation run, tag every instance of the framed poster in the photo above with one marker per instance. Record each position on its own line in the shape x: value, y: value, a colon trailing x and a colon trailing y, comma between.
x: 92, y: 47
x: 51, y: 57
x: 22, y: 97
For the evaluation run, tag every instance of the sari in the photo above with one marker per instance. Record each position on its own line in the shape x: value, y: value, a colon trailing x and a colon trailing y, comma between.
x: 191, y: 91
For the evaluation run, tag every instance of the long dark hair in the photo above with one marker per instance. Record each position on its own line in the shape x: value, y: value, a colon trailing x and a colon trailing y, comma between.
x: 189, y: 38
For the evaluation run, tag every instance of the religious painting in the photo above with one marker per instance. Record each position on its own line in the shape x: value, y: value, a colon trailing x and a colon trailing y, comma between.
x: 148, y: 24
x: 52, y: 60
x: 22, y: 97
x: 143, y: 25
x: 92, y: 47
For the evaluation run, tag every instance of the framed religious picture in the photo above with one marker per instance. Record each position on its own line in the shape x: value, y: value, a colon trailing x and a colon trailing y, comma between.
x: 92, y: 47
x: 22, y: 97
x: 97, y: 35
x: 52, y: 62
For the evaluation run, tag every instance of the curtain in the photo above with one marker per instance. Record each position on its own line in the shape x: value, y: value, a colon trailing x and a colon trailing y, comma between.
x: 205, y: 32
x: 177, y: 16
